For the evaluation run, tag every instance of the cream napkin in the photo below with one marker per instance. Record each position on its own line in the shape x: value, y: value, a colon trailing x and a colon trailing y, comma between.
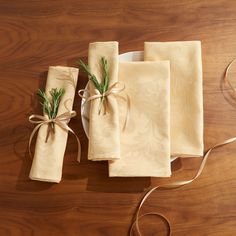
x: 186, y: 122
x: 104, y: 138
x: 48, y: 157
x: 145, y: 143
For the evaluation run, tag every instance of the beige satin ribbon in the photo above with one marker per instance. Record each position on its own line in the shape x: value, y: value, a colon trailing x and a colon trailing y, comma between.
x: 178, y: 184
x: 112, y: 90
x: 226, y: 79
x: 173, y: 185
x: 61, y: 120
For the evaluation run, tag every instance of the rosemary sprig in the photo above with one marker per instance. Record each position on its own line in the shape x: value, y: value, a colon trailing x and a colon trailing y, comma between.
x: 105, y: 71
x: 103, y: 86
x: 50, y: 105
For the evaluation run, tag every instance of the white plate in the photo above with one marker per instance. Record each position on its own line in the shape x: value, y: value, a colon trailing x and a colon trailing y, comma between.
x: 129, y: 56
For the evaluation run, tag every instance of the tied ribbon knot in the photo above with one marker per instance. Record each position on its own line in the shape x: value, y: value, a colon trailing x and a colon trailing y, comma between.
x: 60, y: 120
x: 115, y: 89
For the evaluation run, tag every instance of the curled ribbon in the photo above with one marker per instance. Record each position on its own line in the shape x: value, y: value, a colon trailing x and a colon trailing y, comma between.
x: 61, y: 120
x: 112, y: 90
x: 226, y: 79
x: 178, y: 184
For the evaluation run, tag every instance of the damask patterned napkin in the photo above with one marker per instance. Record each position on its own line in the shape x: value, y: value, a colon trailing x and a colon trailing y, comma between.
x: 104, y: 131
x: 145, y: 143
x: 186, y: 120
x: 48, y: 157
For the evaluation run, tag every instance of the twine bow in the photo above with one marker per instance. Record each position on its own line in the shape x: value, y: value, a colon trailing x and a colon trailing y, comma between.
x: 115, y: 89
x: 61, y: 120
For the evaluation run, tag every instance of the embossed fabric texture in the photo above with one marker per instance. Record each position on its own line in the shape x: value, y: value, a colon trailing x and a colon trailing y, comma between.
x: 104, y: 130
x: 186, y: 102
x: 48, y: 157
x: 145, y: 143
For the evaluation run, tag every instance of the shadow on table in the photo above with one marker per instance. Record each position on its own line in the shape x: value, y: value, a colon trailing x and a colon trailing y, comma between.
x: 102, y: 183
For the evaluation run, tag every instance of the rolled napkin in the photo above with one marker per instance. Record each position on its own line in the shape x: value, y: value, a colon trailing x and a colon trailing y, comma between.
x: 145, y: 143
x: 104, y: 131
x: 186, y: 121
x: 48, y: 157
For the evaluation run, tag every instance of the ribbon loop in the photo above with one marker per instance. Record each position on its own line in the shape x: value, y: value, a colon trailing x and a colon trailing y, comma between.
x: 114, y: 89
x: 37, y: 119
x: 81, y: 93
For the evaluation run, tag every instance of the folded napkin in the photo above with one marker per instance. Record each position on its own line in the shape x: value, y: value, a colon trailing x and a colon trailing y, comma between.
x: 186, y: 121
x: 48, y: 157
x: 104, y: 138
x: 145, y: 143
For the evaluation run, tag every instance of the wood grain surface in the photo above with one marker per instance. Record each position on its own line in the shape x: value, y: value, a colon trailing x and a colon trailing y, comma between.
x: 36, y: 34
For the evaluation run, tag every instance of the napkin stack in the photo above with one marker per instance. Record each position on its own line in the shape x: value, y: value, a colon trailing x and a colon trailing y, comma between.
x: 48, y: 157
x: 166, y: 115
x: 165, y: 118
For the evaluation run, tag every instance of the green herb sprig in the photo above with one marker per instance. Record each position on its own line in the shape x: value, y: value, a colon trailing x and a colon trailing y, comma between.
x: 50, y: 106
x: 103, y: 86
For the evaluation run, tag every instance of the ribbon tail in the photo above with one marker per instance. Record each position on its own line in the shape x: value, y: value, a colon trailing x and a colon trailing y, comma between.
x: 146, y: 214
x: 49, y: 130
x: 78, y: 144
x: 31, y: 137
x: 173, y: 185
x: 67, y: 128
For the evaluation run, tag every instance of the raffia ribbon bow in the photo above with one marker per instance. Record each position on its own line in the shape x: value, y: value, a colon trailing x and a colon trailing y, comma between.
x: 115, y: 89
x: 61, y: 120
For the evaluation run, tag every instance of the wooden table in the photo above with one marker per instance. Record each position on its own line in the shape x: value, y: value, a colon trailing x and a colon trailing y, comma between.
x: 37, y: 34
